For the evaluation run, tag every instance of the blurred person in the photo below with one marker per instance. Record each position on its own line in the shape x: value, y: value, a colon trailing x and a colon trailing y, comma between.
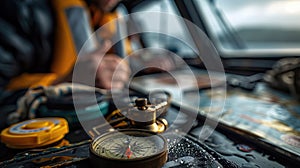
x: 40, y: 41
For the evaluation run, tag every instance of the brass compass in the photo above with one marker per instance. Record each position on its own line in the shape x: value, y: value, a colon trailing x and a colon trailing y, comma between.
x: 130, y: 148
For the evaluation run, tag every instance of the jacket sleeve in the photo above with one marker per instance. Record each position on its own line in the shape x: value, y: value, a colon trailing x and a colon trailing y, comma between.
x: 31, y: 63
x: 26, y: 32
x: 15, y: 53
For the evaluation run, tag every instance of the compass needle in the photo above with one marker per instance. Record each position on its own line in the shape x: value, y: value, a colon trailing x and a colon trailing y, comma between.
x: 128, y: 152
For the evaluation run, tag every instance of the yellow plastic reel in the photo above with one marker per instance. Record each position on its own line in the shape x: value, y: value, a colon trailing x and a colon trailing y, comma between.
x: 35, y: 133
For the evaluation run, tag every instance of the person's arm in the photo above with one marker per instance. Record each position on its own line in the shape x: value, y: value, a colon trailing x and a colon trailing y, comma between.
x: 17, y: 56
x: 26, y: 33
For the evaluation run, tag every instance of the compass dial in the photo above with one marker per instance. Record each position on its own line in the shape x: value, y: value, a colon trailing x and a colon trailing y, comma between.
x: 135, y: 146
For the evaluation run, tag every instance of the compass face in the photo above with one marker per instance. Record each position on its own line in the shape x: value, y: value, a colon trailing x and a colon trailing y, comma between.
x: 129, y: 145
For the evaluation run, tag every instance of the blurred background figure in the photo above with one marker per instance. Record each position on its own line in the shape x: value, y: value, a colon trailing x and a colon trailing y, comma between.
x: 40, y: 41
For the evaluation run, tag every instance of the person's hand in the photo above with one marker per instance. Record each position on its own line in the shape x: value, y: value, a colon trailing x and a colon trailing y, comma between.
x: 112, y: 72
x: 106, y: 71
